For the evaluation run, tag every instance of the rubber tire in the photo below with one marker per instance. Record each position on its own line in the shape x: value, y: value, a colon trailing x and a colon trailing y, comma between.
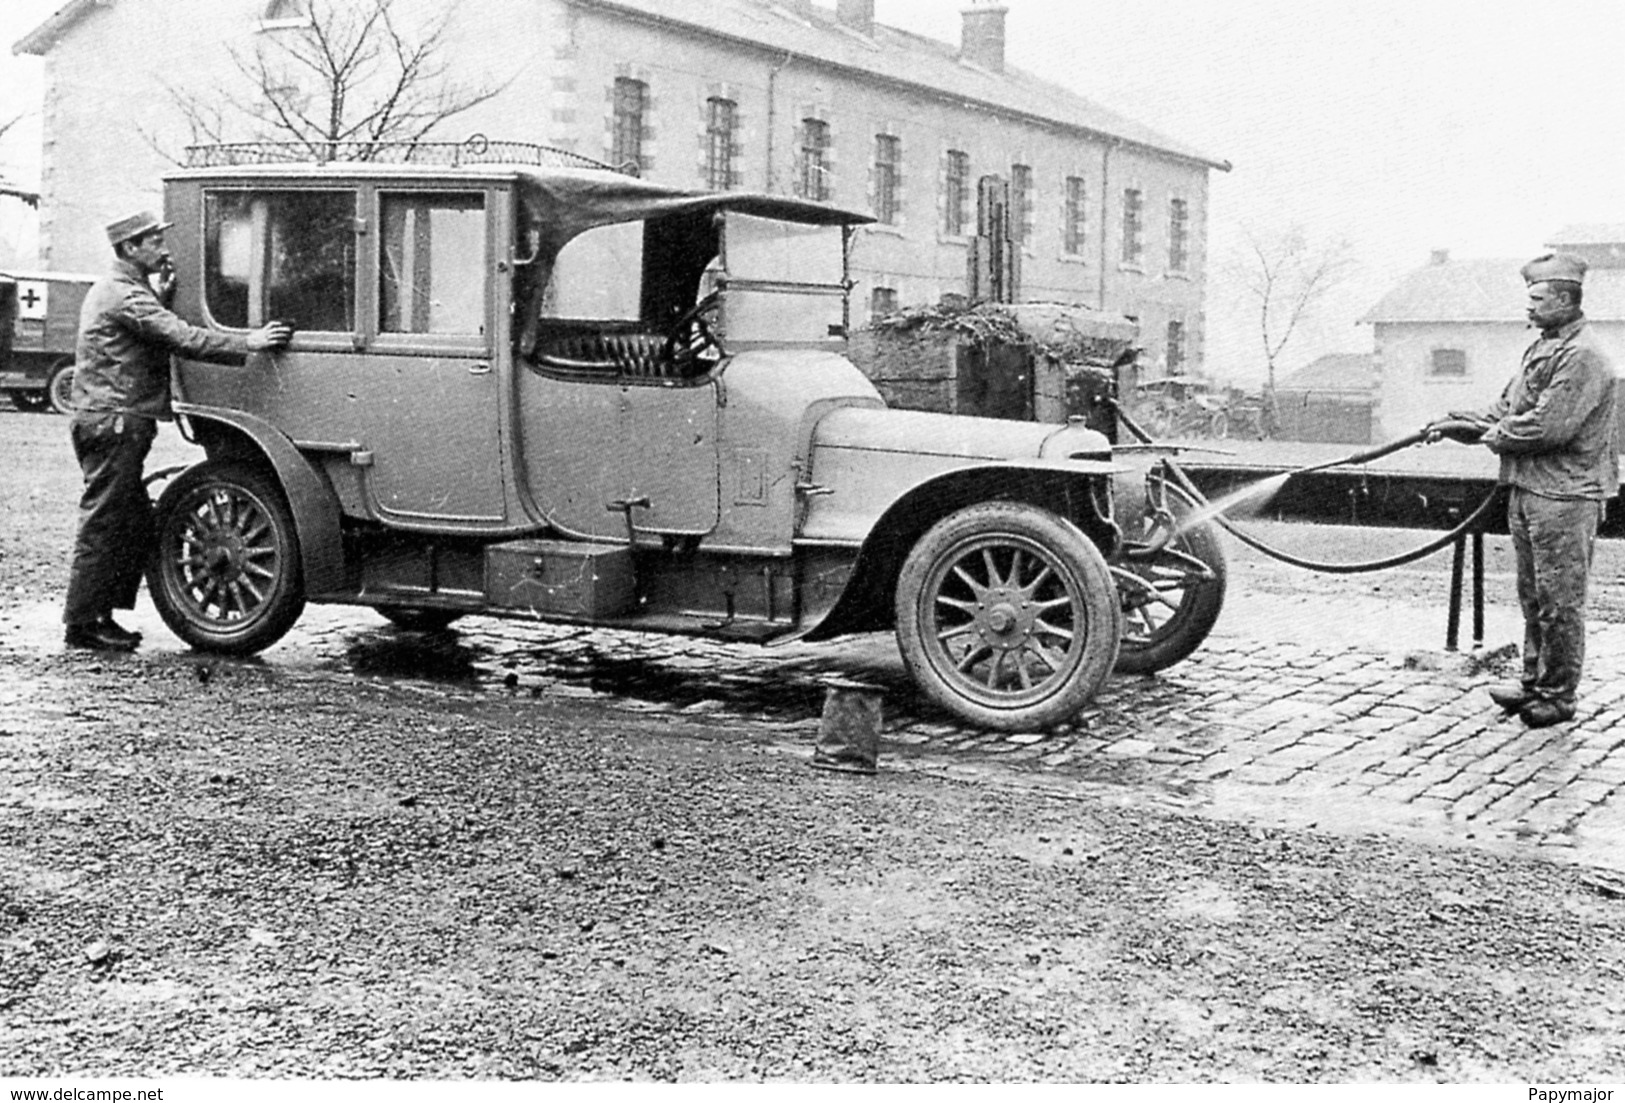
x: 30, y: 402
x: 59, y: 388
x: 418, y: 618
x: 179, y: 597
x: 1077, y: 567
x: 1184, y: 631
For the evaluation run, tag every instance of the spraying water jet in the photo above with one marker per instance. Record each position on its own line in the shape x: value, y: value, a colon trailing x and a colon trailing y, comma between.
x: 1258, y: 494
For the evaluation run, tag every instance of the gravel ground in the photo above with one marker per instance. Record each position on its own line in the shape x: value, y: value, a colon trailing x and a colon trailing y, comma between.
x: 231, y: 869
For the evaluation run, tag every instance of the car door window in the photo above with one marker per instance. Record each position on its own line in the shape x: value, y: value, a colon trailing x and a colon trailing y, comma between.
x: 280, y: 255
x: 432, y: 268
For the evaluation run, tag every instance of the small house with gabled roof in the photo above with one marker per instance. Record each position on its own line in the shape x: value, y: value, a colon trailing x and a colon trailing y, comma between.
x: 1329, y: 399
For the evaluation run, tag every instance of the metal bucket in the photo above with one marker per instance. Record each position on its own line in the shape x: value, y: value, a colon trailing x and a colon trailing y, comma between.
x: 849, y: 730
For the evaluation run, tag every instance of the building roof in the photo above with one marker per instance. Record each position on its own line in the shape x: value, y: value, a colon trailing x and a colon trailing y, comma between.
x: 1476, y: 290
x: 1485, y: 290
x: 897, y: 57
x: 1589, y: 233
x: 43, y: 37
x: 1336, y: 371
x: 812, y: 33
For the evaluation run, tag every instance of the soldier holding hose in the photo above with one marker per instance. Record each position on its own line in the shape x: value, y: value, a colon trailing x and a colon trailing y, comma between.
x: 1555, y: 431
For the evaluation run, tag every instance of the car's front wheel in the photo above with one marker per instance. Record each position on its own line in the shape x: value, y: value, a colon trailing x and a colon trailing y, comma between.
x: 1172, y: 598
x: 1007, y: 616
x: 225, y: 573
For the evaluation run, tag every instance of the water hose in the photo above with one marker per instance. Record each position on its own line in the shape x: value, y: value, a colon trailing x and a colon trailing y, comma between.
x: 1184, y: 482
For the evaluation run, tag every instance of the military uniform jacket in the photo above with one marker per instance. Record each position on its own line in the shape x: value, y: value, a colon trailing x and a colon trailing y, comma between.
x: 126, y: 337
x: 1555, y: 426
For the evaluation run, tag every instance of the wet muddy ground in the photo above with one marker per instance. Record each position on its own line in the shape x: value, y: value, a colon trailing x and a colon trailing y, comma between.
x: 527, y: 851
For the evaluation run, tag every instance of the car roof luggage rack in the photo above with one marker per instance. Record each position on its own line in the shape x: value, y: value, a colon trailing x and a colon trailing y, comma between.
x: 475, y: 150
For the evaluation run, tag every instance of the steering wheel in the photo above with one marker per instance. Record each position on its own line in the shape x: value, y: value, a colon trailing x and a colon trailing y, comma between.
x: 691, y: 332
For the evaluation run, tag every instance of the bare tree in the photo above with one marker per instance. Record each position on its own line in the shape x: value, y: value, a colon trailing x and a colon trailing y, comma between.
x: 351, y: 73
x: 1284, y: 276
x: 7, y: 187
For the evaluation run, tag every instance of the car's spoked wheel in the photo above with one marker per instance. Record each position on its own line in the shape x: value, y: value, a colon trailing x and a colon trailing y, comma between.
x: 1007, y: 615
x: 226, y: 576
x: 59, y: 391
x: 1172, y: 598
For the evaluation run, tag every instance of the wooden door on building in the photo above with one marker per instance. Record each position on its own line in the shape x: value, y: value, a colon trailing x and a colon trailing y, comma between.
x: 995, y: 381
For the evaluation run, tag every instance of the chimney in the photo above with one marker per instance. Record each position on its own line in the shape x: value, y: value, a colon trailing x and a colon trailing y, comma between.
x: 1440, y: 256
x: 856, y: 14
x: 982, y: 41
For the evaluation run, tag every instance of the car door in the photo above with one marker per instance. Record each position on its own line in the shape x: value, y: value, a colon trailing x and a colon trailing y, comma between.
x: 434, y: 427
x: 592, y: 443
x: 599, y: 423
x: 392, y: 359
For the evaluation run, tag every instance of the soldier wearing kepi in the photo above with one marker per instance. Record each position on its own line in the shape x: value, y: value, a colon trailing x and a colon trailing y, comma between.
x: 120, y: 391
x: 1555, y: 429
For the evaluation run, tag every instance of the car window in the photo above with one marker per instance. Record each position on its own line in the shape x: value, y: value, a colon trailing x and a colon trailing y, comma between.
x: 280, y: 255
x: 598, y: 275
x: 432, y: 269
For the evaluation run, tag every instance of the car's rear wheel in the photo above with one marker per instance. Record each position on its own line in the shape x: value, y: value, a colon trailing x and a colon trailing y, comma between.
x: 29, y: 402
x: 60, y: 387
x: 225, y: 573
x: 1007, y: 616
x: 418, y: 618
x: 1171, y: 599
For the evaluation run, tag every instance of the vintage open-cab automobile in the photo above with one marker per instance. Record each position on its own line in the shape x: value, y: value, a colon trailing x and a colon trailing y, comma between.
x: 524, y: 384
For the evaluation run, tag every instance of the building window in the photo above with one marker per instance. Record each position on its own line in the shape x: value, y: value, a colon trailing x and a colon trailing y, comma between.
x: 631, y: 105
x: 1021, y: 204
x: 1448, y: 364
x: 1133, y: 225
x: 813, y: 180
x: 1174, y: 352
x: 888, y: 177
x: 1075, y: 216
x: 882, y: 302
x: 1179, y: 235
x: 721, y: 126
x: 956, y: 193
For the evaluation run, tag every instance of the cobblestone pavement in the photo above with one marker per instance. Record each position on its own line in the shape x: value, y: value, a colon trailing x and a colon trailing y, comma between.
x: 1267, y: 722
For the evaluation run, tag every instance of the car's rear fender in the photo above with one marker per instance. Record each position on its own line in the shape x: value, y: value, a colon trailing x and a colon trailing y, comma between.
x: 865, y: 604
x: 233, y: 435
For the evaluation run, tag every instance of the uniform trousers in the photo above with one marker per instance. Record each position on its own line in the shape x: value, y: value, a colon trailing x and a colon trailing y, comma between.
x: 115, y: 515
x: 1552, y: 540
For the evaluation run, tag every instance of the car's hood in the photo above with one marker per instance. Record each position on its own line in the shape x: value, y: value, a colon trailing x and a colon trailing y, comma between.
x: 955, y: 437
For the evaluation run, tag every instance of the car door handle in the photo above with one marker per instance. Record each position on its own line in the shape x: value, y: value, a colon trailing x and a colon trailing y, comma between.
x: 479, y: 369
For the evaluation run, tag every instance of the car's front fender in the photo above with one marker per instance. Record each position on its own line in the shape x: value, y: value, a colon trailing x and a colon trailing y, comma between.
x: 315, y: 507
x: 1076, y: 490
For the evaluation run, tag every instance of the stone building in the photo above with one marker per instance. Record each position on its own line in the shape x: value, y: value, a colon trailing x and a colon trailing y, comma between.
x: 783, y: 96
x: 1452, y: 333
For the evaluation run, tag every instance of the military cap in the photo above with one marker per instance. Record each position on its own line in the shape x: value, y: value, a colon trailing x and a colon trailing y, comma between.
x: 1555, y: 266
x: 134, y: 225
